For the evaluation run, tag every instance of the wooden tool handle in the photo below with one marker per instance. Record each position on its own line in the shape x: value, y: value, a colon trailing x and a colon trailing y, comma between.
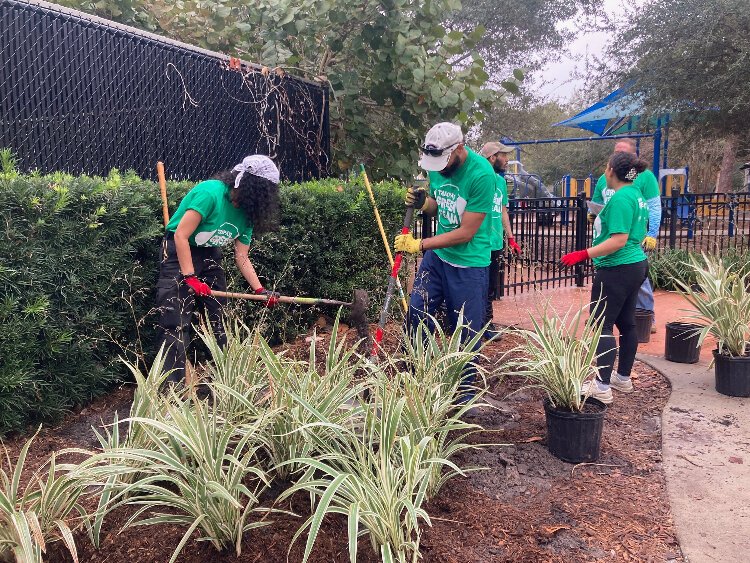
x: 163, y: 188
x: 280, y: 298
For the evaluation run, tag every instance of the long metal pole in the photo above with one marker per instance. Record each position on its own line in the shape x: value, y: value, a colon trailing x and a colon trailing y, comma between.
x: 581, y: 139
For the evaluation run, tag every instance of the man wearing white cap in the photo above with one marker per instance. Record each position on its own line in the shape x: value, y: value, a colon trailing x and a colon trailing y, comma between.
x: 231, y: 207
x: 454, y: 269
x: 497, y: 155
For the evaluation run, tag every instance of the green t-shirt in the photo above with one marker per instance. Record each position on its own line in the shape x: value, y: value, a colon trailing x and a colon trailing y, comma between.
x: 625, y: 212
x: 470, y: 188
x: 221, y: 221
x: 646, y: 182
x: 500, y: 201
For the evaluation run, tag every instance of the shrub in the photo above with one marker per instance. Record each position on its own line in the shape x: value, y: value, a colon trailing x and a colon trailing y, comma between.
x: 80, y: 259
x: 667, y: 267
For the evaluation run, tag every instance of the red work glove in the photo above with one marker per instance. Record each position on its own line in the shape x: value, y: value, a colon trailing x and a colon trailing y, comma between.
x: 273, y: 297
x: 514, y: 246
x: 200, y: 288
x: 573, y: 258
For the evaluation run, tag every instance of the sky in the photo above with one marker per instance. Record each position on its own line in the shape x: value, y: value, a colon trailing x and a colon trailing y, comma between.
x: 556, y: 80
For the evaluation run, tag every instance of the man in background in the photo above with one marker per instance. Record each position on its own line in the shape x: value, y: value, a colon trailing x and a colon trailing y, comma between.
x: 498, y: 155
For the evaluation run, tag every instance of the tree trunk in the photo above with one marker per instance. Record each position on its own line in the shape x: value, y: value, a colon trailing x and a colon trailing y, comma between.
x: 728, y: 160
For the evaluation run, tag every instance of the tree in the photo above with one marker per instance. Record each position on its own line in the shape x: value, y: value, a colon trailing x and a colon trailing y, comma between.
x: 521, y: 34
x: 528, y: 119
x: 387, y: 62
x: 690, y: 58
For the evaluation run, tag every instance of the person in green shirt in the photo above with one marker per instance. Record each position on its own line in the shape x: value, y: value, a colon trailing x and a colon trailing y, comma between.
x: 454, y: 268
x: 621, y: 267
x: 231, y: 207
x: 648, y: 185
x: 498, y: 155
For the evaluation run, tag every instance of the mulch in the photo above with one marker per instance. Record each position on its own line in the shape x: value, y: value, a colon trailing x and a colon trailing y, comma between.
x: 525, y: 506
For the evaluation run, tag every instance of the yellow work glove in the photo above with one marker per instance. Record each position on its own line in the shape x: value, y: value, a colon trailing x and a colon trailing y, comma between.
x: 416, y: 198
x: 649, y: 243
x: 591, y: 218
x: 407, y: 243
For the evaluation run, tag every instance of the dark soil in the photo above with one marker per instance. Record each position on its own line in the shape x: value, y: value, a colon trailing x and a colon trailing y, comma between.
x: 526, y: 506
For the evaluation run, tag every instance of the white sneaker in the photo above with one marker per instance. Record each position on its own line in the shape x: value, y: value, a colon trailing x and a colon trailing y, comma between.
x: 619, y: 383
x: 591, y: 389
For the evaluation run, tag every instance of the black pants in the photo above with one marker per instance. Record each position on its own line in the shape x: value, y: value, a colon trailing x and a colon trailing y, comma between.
x: 618, y: 289
x: 495, y: 258
x: 176, y: 303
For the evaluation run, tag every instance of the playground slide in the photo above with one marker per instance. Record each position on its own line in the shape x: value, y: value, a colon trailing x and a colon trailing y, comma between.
x: 525, y: 185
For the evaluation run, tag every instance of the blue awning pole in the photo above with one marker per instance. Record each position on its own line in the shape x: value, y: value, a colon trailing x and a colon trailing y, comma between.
x: 580, y: 139
x: 666, y: 142
x: 657, y: 148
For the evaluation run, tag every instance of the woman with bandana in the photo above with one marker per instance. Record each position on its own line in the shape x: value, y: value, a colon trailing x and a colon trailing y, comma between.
x: 230, y: 207
x: 621, y: 267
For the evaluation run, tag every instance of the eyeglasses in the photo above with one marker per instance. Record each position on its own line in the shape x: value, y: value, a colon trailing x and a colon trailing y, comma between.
x: 432, y: 150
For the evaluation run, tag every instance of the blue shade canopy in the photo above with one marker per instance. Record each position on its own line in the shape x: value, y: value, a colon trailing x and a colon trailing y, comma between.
x: 617, y: 112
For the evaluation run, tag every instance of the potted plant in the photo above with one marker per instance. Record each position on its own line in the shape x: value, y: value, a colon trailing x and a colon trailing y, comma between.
x: 559, y: 357
x: 722, y: 307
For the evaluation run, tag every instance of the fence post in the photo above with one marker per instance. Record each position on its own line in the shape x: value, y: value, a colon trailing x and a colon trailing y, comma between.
x: 673, y: 222
x: 580, y: 233
x: 732, y: 205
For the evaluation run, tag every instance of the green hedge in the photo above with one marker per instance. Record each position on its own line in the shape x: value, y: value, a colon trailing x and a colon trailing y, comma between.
x: 79, y: 261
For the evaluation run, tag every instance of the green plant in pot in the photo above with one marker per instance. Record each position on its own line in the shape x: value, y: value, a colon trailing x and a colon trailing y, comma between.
x: 559, y: 357
x: 721, y: 305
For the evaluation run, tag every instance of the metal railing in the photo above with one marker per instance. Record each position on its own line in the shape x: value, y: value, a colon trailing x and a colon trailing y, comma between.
x: 547, y: 228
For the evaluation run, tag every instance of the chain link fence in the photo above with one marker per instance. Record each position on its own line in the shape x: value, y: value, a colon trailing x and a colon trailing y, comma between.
x: 85, y: 95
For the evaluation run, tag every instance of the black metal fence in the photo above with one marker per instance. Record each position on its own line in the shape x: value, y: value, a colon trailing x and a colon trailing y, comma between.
x: 85, y: 95
x: 547, y: 228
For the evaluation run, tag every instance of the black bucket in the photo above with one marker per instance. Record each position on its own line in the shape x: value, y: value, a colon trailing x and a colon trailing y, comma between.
x: 681, y: 344
x: 732, y: 375
x: 575, y: 436
x: 643, y: 321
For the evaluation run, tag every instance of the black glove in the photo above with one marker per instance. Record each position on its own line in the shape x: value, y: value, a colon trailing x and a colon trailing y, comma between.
x: 416, y: 198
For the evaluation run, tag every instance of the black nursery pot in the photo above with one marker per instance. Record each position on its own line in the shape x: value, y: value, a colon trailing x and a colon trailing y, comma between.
x: 681, y: 344
x: 575, y: 436
x: 732, y: 375
x: 643, y: 321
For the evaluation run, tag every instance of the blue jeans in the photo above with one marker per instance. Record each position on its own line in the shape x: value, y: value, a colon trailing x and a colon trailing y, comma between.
x: 438, y: 282
x: 645, y: 296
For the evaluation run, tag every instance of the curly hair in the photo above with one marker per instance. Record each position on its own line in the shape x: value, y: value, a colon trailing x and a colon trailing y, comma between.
x: 626, y: 166
x: 256, y: 196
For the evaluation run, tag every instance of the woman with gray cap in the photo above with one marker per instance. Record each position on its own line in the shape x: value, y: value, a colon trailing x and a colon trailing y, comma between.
x: 230, y: 207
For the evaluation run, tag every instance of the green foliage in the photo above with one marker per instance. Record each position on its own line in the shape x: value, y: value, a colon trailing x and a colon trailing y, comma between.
x: 393, y: 67
x: 688, y: 57
x: 559, y: 356
x: 721, y: 301
x: 667, y: 267
x: 80, y: 261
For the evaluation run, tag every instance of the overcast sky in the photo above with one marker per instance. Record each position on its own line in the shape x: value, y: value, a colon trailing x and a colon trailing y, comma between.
x: 555, y: 80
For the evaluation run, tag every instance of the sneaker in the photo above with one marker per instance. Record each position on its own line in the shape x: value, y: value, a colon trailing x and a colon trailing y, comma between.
x: 591, y: 388
x: 621, y: 384
x: 653, y: 329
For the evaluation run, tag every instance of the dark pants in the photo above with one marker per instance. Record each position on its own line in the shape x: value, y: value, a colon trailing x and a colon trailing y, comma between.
x: 437, y: 283
x: 618, y: 289
x: 494, y: 271
x: 176, y: 303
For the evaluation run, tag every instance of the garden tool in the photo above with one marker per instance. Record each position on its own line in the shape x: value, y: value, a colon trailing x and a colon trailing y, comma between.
x: 391, y: 287
x: 163, y: 188
x: 358, y: 305
x: 383, y: 236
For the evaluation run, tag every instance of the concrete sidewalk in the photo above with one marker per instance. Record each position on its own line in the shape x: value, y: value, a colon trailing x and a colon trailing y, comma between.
x: 705, y: 435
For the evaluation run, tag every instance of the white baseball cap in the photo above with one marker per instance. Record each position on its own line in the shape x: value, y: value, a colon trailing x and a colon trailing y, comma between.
x: 438, y: 146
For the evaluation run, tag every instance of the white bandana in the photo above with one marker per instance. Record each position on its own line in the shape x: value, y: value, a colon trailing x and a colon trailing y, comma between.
x: 258, y: 165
